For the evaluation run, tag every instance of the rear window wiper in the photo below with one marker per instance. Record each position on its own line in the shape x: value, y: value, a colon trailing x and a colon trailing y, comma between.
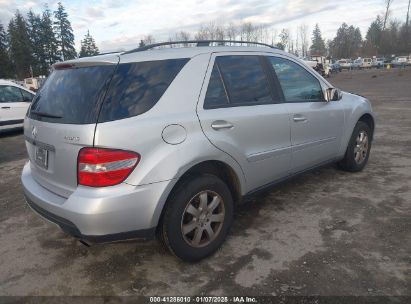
x: 45, y: 114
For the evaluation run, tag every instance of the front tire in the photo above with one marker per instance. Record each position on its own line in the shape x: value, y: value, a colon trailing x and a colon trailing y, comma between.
x: 197, y: 218
x: 358, y: 150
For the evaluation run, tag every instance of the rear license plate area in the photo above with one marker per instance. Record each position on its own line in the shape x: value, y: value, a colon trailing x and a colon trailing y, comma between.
x: 41, y: 157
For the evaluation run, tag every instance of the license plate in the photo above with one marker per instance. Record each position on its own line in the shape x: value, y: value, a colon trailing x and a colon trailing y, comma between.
x: 41, y: 157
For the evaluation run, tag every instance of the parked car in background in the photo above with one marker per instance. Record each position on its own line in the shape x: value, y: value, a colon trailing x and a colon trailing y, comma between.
x: 345, y: 64
x: 14, y: 102
x: 196, y: 127
x: 357, y: 63
x: 400, y: 61
x: 378, y: 62
x: 366, y: 63
x: 310, y: 63
x: 34, y: 83
x: 318, y: 67
x: 335, y: 67
x: 323, y: 65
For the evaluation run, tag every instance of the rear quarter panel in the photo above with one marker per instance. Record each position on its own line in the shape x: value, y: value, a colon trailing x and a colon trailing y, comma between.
x: 161, y: 161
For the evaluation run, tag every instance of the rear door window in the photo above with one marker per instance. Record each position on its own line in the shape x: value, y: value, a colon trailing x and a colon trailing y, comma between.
x: 136, y: 87
x: 245, y: 80
x: 72, y: 96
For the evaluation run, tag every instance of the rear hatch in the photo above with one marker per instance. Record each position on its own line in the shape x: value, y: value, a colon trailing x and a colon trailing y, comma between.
x: 62, y: 120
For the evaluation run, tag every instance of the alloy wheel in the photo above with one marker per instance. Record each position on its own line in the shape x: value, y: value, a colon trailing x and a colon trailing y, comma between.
x: 203, y: 218
x: 361, y: 147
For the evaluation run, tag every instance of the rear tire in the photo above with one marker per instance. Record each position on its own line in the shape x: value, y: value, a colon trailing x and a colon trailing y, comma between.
x: 197, y: 218
x: 358, y: 150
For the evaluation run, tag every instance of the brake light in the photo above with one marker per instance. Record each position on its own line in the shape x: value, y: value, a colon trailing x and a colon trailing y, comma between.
x: 99, y: 167
x: 63, y: 66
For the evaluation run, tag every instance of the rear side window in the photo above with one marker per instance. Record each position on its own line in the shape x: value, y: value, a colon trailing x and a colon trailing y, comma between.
x: 136, y: 87
x: 297, y: 83
x: 72, y: 96
x: 216, y: 95
x: 245, y: 80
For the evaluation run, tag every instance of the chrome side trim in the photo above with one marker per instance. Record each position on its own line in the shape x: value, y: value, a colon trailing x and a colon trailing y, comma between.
x: 268, y: 154
x: 313, y: 143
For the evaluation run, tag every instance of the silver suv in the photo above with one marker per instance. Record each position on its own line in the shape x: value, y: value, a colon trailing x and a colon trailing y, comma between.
x: 168, y: 141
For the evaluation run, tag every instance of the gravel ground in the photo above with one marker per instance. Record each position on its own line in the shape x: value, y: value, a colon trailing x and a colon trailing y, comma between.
x: 324, y: 233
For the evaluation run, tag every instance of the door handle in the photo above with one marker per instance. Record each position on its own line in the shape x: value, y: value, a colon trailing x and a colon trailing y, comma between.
x: 221, y: 124
x: 5, y: 107
x: 299, y: 118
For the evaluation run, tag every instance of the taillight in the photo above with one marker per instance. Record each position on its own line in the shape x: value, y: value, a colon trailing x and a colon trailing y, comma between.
x: 99, y: 167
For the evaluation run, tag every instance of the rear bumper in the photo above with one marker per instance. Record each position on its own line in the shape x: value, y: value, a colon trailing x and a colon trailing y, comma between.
x: 100, y: 214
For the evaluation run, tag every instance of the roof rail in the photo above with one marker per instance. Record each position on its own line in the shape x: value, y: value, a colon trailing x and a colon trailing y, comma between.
x: 197, y: 42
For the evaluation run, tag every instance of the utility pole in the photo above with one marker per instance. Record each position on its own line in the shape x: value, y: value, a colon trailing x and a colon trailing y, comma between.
x: 408, y: 14
x: 387, y: 10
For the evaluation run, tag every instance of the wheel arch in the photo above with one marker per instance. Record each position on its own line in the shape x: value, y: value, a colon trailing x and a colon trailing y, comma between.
x: 218, y: 168
x: 358, y: 108
x: 369, y: 120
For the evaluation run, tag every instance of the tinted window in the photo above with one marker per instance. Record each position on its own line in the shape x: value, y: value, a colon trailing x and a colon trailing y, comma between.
x: 216, y: 95
x: 26, y: 95
x: 72, y: 94
x: 297, y: 83
x: 10, y: 94
x: 136, y: 87
x: 245, y: 79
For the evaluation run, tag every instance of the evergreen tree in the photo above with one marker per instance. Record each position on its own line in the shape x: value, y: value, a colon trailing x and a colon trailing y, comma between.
x: 64, y: 33
x: 88, y: 46
x: 318, y: 46
x: 373, y: 37
x: 35, y: 35
x: 49, y: 41
x: 355, y: 41
x: 19, y: 45
x: 284, y: 39
x: 347, y: 43
x: 5, y: 63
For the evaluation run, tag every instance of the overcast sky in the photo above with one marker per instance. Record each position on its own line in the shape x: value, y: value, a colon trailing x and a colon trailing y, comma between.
x: 119, y: 24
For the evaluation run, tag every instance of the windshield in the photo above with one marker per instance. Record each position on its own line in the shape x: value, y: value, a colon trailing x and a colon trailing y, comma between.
x: 72, y: 96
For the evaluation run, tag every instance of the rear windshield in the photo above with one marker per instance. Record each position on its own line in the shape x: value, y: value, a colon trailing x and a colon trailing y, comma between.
x: 136, y: 87
x: 103, y: 93
x: 72, y: 96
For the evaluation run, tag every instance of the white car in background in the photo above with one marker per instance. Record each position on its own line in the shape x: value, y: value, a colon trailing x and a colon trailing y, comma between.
x: 357, y: 64
x: 366, y: 63
x: 34, y: 83
x: 345, y: 64
x: 378, y: 62
x: 400, y: 61
x: 14, y: 102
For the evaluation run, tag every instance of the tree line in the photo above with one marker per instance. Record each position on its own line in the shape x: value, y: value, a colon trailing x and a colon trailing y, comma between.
x: 32, y: 43
x: 393, y: 38
x: 384, y: 37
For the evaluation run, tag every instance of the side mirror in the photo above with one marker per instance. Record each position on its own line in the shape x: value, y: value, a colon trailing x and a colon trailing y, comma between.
x: 333, y: 94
